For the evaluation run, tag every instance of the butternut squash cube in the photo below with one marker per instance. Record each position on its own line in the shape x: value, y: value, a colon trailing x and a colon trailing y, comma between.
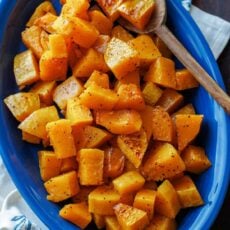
x: 133, y: 146
x: 129, y: 97
x: 131, y: 218
x: 128, y: 182
x: 97, y: 97
x: 162, y: 125
x: 61, y: 138
x: 90, y: 137
x: 145, y: 200
x: 119, y: 121
x: 91, y: 162
x: 114, y: 162
x: 49, y: 164
x: 41, y: 10
x: 160, y: 222
x: 121, y: 33
x: 185, y: 80
x: 162, y: 162
x: 110, y: 8
x: 151, y: 93
x: 70, y: 88
x: 162, y: 72
x: 131, y: 78
x: 90, y: 61
x: 31, y: 38
x: 195, y: 159
x: 100, y: 21
x: 102, y: 200
x: 187, y: 192
x: 22, y: 104
x: 78, y: 214
x: 167, y: 201
x: 187, y: 128
x: 170, y: 100
x: 62, y: 187
x: 82, y: 32
x: 99, y: 78
x: 79, y: 115
x: 111, y: 223
x: 26, y: 68
x: 147, y: 50
x: 121, y: 57
x: 35, y: 123
x: 45, y: 91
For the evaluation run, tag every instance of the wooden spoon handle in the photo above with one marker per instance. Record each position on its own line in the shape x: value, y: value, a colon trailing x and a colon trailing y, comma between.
x: 194, y: 67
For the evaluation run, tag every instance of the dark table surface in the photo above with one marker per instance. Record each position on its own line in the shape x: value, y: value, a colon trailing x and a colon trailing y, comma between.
x: 221, y: 8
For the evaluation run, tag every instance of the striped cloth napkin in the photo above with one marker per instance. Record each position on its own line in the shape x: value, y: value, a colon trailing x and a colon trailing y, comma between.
x: 15, y: 213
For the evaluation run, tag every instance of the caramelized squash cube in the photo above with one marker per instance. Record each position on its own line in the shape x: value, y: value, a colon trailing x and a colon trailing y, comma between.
x: 195, y: 159
x: 97, y: 97
x: 99, y: 78
x: 121, y: 57
x: 162, y: 72
x: 35, y: 123
x: 187, y: 128
x: 131, y: 218
x: 26, y: 68
x: 102, y: 200
x: 133, y: 146
x: 128, y: 182
x: 22, y: 104
x: 91, y: 163
x: 187, y: 192
x: 162, y: 162
x: 62, y: 187
x: 167, y: 201
x: 185, y: 80
x: 61, y: 138
x: 119, y: 121
x: 78, y: 214
x: 90, y: 61
x: 49, y: 164
x: 70, y: 88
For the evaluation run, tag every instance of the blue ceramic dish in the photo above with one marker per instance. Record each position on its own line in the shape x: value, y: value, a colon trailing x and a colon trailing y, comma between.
x: 20, y: 158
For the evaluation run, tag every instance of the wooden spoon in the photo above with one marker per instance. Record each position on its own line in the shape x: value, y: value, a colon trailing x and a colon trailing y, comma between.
x: 157, y: 26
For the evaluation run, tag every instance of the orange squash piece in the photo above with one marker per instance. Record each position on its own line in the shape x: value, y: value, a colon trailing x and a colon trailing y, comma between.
x: 77, y: 214
x: 162, y: 72
x: 162, y: 162
x: 187, y: 109
x: 170, y: 100
x: 129, y: 97
x: 120, y: 121
x: 101, y: 22
x: 121, y: 57
x: 61, y: 138
x: 162, y: 125
x: 195, y: 159
x: 90, y: 61
x: 101, y: 43
x: 187, y: 192
x: 137, y: 12
x: 167, y: 200
x: 185, y: 80
x: 97, y: 97
x: 187, y: 128
x: 147, y: 51
x: 26, y: 68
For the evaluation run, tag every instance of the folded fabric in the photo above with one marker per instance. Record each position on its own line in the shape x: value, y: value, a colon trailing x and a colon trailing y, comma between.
x: 15, y: 213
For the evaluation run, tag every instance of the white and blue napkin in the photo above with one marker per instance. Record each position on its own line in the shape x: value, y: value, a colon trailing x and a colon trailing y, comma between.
x: 15, y: 213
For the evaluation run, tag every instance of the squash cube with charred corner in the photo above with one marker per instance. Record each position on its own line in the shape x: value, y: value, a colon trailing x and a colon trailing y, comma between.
x: 78, y: 214
x: 91, y: 163
x: 62, y: 187
x: 26, y: 68
x: 121, y: 57
x: 61, y: 138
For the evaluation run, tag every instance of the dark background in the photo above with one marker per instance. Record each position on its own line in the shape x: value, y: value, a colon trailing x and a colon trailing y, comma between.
x: 221, y: 8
